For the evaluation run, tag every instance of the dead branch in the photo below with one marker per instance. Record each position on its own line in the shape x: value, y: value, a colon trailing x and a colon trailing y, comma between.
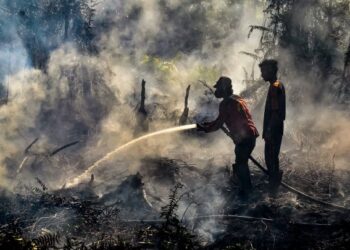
x: 206, y: 85
x: 184, y: 116
x: 26, y: 151
x: 254, y: 56
x: 257, y: 27
x: 63, y: 147
x: 43, y: 186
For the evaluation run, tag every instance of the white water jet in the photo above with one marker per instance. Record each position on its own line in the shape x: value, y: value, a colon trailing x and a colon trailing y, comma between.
x: 85, y: 174
x: 22, y: 164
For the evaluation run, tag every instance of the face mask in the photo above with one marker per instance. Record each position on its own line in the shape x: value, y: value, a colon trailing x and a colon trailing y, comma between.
x: 219, y: 93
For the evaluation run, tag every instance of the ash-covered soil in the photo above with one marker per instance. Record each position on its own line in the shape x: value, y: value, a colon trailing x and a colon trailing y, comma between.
x: 173, y: 204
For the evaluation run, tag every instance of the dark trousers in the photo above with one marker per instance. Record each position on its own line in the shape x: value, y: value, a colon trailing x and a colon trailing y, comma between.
x: 272, y: 151
x: 241, y: 169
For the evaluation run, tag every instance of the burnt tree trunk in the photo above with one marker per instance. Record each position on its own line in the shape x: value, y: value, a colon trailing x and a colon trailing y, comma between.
x: 344, y: 90
x: 142, y: 116
x: 184, y: 116
x: 143, y: 98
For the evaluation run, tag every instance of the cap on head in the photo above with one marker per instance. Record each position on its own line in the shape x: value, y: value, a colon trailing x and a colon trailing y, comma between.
x: 223, y: 87
x: 224, y: 82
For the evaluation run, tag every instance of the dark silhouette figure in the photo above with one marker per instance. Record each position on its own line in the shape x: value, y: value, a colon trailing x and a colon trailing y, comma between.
x: 233, y: 112
x: 275, y: 114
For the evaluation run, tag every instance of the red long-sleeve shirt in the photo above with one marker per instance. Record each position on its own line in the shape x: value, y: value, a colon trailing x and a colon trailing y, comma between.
x: 234, y: 113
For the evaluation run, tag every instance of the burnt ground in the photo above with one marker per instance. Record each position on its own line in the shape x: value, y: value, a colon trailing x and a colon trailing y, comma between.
x: 171, y: 204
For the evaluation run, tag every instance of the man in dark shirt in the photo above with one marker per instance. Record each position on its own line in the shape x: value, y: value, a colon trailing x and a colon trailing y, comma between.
x: 275, y: 114
x: 234, y: 113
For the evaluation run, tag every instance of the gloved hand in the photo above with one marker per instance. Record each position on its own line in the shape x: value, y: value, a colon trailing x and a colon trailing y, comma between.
x: 200, y: 127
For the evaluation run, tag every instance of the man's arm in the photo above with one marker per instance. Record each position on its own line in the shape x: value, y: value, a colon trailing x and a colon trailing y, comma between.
x: 217, y: 123
x: 282, y: 100
x: 276, y: 110
x: 277, y: 105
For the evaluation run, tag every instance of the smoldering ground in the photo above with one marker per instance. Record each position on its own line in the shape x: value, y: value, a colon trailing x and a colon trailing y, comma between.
x: 126, y: 55
x: 93, y: 96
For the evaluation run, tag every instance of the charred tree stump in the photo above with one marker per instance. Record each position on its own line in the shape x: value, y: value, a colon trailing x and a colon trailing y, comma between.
x: 143, y: 98
x: 184, y: 116
x: 142, y: 115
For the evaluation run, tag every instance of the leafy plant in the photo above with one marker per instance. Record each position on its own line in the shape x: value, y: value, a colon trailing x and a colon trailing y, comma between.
x: 172, y: 234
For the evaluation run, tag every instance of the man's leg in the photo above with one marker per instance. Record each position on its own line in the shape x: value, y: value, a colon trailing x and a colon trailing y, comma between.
x: 277, y: 141
x: 243, y: 151
x: 272, y: 150
x: 269, y: 158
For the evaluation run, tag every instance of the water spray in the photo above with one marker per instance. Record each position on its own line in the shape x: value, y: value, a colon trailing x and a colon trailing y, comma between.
x: 22, y: 164
x: 77, y: 179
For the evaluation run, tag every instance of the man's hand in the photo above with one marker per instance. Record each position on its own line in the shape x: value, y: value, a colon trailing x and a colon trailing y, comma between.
x: 200, y: 127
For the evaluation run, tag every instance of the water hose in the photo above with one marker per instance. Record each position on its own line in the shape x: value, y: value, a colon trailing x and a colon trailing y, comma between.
x: 290, y: 188
x: 299, y: 193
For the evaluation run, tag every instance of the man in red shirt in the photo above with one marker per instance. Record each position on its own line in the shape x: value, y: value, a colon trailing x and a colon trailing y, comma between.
x: 234, y: 113
x: 275, y: 114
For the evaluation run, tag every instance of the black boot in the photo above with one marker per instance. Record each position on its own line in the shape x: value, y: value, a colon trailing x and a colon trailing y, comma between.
x: 274, y: 182
x: 243, y: 176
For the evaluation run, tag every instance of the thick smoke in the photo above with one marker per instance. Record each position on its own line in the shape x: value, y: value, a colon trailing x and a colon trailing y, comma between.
x: 92, y: 95
x: 91, y: 98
